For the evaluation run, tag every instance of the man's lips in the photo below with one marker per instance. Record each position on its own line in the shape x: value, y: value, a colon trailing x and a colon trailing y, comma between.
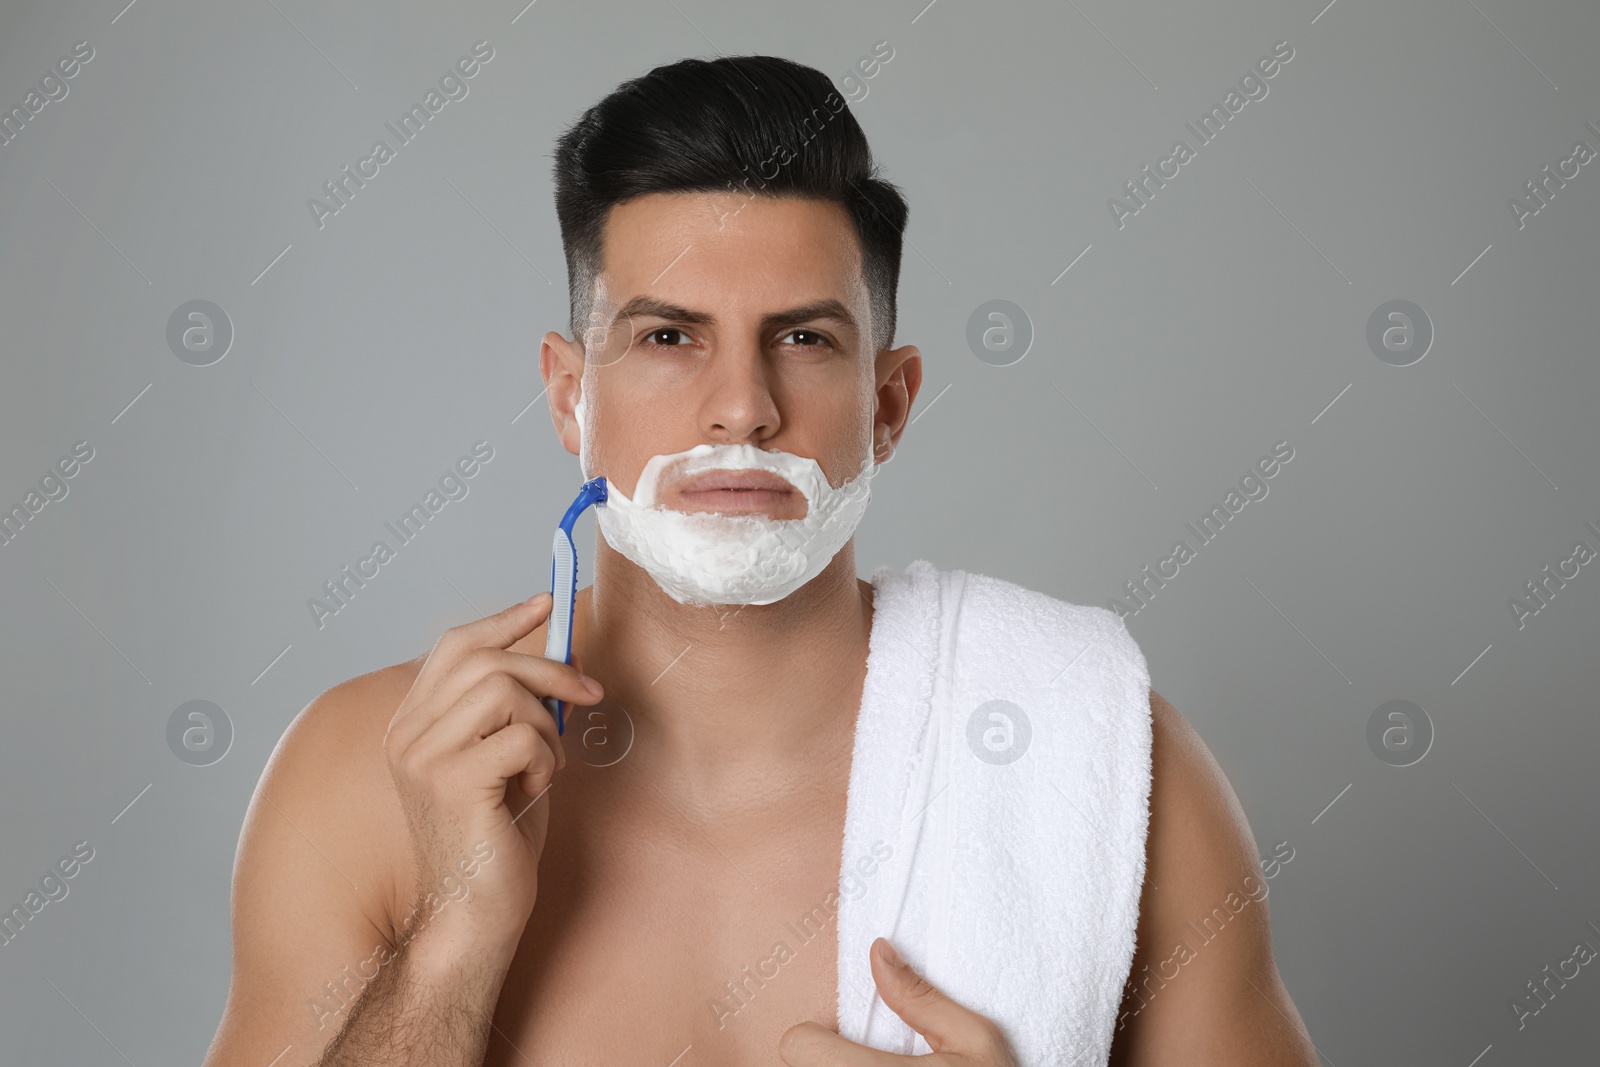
x: 752, y: 480
x: 736, y: 491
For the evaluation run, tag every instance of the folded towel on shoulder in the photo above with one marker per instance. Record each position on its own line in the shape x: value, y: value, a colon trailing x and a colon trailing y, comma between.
x: 1003, y: 749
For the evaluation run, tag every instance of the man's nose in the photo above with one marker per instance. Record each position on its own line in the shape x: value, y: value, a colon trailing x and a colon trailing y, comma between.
x: 738, y: 405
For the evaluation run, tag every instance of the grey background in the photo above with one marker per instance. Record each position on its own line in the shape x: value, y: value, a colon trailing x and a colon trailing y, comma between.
x: 1228, y: 315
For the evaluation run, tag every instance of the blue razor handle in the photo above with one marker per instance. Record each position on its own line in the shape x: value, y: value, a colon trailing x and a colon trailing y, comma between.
x: 564, y: 589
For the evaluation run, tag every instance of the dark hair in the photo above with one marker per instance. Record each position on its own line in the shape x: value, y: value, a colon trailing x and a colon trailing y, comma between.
x: 762, y: 125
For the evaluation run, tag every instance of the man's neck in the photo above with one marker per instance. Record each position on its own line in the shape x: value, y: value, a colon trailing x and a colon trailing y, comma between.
x: 723, y: 695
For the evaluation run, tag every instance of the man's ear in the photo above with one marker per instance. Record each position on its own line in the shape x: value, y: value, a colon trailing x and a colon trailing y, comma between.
x: 561, y: 366
x: 899, y: 376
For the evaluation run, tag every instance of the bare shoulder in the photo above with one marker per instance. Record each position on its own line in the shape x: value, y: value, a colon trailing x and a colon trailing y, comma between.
x: 1204, y: 987
x: 1195, y: 816
x: 328, y: 775
x: 318, y: 875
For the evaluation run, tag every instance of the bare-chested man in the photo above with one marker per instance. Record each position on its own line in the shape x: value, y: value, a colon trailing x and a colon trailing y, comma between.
x: 427, y: 873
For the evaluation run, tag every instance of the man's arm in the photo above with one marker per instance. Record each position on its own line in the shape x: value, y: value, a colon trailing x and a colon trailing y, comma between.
x: 1204, y: 990
x: 357, y: 939
x: 322, y: 974
x: 312, y: 882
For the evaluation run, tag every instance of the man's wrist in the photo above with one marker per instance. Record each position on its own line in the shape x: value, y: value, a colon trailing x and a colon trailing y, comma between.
x: 447, y: 948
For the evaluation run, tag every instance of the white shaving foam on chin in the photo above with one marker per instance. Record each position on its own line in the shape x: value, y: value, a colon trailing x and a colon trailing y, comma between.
x: 704, y: 558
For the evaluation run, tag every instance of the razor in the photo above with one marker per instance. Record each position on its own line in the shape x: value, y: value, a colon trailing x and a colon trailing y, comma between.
x: 564, y: 589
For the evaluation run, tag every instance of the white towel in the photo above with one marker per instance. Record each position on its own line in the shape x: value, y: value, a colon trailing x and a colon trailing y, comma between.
x: 1013, y: 886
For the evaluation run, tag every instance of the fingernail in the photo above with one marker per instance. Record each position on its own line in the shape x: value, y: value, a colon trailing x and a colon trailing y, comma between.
x: 590, y: 684
x: 890, y: 956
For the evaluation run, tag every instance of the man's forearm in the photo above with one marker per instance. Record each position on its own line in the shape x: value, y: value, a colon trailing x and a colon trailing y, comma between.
x: 431, y: 1004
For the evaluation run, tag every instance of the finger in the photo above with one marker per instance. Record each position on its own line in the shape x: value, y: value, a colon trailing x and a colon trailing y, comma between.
x: 501, y: 630
x: 812, y: 1045
x: 944, y: 1024
x: 497, y: 700
x: 538, y: 675
x: 517, y: 751
x: 507, y: 627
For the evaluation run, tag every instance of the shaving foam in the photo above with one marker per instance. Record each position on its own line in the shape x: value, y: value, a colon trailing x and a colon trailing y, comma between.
x: 705, y: 558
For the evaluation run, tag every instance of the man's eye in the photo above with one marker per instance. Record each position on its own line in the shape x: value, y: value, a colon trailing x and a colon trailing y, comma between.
x: 653, y: 337
x: 815, y: 338
x: 673, y: 337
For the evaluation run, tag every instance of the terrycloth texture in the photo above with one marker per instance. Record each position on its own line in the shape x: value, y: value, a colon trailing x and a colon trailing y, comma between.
x: 1014, y: 887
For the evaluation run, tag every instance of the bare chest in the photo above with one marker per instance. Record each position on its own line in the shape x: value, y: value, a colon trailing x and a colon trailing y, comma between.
x: 675, y: 946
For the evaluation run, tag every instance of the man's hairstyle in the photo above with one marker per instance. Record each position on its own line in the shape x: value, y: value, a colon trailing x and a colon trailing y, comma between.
x: 751, y: 125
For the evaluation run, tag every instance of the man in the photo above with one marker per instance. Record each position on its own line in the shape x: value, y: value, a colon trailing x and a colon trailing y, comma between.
x: 425, y: 876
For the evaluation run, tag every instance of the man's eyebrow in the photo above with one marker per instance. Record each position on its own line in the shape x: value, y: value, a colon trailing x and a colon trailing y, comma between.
x: 817, y: 309
x: 651, y: 307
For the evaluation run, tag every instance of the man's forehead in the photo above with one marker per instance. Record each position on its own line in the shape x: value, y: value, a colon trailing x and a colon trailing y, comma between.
x: 698, y: 249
